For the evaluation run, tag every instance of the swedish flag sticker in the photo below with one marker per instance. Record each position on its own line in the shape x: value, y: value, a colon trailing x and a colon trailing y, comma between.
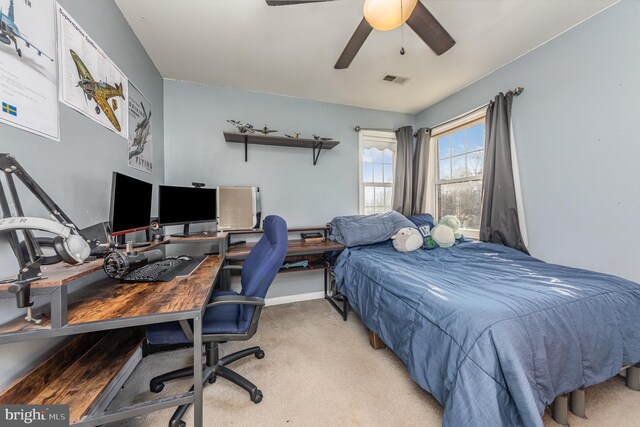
x: 9, y: 109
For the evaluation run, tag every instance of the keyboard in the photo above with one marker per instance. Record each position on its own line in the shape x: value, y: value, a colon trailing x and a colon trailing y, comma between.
x: 163, y: 271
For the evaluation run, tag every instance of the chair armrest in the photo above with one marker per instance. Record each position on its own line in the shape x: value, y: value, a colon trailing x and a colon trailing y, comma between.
x: 232, y: 267
x: 236, y: 299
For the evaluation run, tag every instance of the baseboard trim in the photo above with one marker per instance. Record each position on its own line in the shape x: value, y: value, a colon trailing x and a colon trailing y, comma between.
x: 294, y: 298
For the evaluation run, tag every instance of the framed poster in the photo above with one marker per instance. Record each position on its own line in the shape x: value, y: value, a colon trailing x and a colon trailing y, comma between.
x: 140, y: 143
x: 89, y: 81
x: 28, y: 67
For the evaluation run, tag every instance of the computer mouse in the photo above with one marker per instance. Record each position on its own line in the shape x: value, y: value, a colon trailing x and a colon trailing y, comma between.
x: 185, y: 258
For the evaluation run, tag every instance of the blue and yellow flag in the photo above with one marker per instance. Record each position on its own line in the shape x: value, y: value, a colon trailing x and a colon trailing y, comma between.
x: 9, y: 109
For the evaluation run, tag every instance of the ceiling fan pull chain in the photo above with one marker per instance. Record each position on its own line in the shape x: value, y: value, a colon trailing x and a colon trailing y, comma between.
x: 401, y: 30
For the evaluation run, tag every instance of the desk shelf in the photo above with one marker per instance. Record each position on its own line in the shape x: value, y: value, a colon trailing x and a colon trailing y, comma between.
x: 60, y: 274
x: 108, y: 300
x: 279, y: 141
x: 322, y: 228
x: 64, y: 379
x: 296, y: 247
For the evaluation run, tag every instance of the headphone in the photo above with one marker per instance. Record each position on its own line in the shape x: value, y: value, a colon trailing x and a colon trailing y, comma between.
x: 68, y: 244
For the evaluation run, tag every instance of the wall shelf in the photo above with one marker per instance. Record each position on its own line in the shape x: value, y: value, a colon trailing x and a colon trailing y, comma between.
x: 279, y: 141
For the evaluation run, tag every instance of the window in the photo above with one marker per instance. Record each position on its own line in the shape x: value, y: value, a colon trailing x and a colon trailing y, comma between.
x: 458, y: 180
x: 377, y: 159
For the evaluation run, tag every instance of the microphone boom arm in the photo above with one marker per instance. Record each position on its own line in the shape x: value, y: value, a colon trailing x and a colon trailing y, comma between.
x: 29, y: 268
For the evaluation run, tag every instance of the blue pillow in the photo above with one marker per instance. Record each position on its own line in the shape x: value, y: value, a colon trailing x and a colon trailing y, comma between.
x: 421, y: 220
x: 357, y: 230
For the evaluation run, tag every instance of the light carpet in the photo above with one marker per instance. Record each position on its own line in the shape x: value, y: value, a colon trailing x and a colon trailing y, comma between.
x: 321, y: 371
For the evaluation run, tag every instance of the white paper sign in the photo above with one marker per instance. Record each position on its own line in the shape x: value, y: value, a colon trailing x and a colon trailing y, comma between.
x: 89, y: 81
x: 140, y: 144
x: 28, y: 67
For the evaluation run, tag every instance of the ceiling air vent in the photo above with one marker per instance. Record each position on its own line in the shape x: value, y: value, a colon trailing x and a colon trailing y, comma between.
x: 394, y: 79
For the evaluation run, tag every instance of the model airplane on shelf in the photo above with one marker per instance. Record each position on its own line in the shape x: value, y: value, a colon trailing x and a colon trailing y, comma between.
x: 242, y: 127
x: 320, y: 138
x: 296, y: 135
x: 266, y: 130
x: 99, y: 91
x: 9, y: 32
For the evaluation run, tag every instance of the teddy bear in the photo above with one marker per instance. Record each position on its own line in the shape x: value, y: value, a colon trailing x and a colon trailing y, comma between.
x: 407, y: 239
x: 446, y: 231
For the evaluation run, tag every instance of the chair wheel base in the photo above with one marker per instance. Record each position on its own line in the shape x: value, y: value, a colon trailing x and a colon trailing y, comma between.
x: 256, y: 396
x: 156, y: 388
x: 260, y: 354
x: 178, y: 424
x: 212, y: 379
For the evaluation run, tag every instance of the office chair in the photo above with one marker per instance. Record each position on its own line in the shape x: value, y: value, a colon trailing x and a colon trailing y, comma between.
x: 229, y: 316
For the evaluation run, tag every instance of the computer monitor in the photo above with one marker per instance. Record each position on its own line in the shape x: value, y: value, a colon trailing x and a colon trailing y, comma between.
x: 130, y: 205
x: 186, y: 205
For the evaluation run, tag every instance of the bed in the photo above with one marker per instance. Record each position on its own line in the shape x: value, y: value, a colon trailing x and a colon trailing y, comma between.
x: 493, y: 334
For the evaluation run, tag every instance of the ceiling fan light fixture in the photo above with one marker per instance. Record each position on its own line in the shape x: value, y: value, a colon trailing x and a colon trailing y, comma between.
x: 385, y: 15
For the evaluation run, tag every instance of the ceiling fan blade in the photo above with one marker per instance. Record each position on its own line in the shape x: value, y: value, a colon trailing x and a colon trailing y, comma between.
x: 290, y: 2
x: 355, y: 43
x: 429, y: 30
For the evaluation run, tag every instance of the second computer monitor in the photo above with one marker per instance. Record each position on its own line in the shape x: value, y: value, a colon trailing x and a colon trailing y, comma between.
x: 186, y: 205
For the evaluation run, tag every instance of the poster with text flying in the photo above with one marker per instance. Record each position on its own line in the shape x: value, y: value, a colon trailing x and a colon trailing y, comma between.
x: 89, y: 81
x: 140, y: 145
x: 28, y: 68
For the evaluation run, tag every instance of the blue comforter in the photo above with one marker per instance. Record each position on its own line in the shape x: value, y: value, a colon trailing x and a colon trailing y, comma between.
x: 493, y: 334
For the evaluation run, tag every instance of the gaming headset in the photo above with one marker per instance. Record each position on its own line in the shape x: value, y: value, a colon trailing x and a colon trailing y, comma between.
x: 68, y: 244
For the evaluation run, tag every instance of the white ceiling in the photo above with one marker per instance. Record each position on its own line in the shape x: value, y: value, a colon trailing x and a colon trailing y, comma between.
x: 291, y: 50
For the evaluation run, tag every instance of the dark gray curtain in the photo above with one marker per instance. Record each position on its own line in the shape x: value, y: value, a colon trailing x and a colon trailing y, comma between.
x: 403, y: 179
x: 420, y: 170
x: 499, y: 222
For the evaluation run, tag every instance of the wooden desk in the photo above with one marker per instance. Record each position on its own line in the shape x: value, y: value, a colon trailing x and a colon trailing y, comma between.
x: 109, y: 305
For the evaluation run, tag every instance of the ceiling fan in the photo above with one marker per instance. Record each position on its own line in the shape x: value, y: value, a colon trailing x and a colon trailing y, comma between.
x: 386, y: 15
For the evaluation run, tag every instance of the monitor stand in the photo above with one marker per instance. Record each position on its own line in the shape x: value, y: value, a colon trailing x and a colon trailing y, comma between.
x: 186, y: 233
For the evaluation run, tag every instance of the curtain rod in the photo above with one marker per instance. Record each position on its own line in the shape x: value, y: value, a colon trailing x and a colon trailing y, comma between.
x: 358, y: 129
x: 517, y: 91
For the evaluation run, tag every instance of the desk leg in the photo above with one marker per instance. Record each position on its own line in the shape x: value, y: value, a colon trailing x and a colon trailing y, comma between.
x: 59, y: 307
x: 197, y: 371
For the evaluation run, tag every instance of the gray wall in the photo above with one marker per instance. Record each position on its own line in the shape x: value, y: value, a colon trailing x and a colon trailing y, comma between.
x: 576, y: 129
x: 76, y: 172
x: 195, y: 150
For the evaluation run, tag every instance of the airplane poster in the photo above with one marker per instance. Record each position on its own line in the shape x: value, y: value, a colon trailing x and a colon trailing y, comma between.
x: 140, y: 145
x: 89, y: 81
x: 28, y: 67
